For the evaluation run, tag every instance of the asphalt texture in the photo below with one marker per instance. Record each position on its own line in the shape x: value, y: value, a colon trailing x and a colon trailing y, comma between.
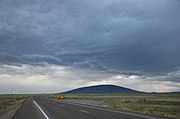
x: 39, y: 108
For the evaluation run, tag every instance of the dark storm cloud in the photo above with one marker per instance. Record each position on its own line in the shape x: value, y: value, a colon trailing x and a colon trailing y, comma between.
x: 119, y: 35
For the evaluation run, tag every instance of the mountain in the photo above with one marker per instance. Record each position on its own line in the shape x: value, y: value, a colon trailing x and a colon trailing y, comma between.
x: 102, y: 89
x: 178, y: 93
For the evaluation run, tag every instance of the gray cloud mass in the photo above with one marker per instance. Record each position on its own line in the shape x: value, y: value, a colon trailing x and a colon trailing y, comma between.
x: 129, y: 37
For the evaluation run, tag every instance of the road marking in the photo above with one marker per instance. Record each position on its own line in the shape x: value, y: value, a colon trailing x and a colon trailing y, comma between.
x: 84, y: 111
x: 41, y: 110
x: 115, y: 111
x: 29, y: 99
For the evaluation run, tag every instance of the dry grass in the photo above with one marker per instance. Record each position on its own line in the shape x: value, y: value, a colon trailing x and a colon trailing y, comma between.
x: 9, y: 100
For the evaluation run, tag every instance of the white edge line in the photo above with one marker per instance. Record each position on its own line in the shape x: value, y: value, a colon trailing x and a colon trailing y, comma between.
x: 41, y: 110
x: 98, y: 108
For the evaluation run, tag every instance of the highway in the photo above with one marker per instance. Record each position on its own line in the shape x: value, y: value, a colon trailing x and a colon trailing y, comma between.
x: 39, y: 108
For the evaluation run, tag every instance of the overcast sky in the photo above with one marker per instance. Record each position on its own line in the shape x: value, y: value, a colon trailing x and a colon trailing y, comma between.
x: 57, y: 45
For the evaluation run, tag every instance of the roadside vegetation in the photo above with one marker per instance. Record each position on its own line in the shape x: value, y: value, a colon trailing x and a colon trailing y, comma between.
x: 7, y: 101
x: 157, y: 104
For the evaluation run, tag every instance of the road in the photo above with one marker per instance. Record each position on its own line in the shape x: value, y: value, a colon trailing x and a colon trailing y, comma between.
x: 39, y: 108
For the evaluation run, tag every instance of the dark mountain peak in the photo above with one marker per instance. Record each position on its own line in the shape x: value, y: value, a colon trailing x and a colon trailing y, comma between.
x: 103, y: 89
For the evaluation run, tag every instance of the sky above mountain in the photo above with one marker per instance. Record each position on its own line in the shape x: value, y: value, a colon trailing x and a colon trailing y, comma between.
x: 57, y: 45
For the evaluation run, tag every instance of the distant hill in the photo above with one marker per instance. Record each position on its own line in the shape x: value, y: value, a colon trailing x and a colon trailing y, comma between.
x: 178, y: 93
x: 102, y: 89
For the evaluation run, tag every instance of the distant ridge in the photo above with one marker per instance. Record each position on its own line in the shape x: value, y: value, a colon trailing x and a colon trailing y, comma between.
x: 178, y: 93
x: 102, y: 89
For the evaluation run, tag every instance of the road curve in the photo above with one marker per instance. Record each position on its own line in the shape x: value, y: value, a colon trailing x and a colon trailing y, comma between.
x: 39, y: 108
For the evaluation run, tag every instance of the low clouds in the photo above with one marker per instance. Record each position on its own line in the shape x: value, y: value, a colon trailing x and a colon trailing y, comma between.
x: 54, y: 78
x: 47, y: 78
x: 134, y: 37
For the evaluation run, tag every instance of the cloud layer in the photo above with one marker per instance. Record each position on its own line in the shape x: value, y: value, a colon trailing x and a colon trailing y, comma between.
x: 54, y: 78
x: 126, y: 37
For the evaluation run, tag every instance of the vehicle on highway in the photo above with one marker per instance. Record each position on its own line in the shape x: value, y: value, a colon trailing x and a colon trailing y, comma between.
x: 61, y: 97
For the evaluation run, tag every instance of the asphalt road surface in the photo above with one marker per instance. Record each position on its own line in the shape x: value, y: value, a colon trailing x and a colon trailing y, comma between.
x: 39, y: 108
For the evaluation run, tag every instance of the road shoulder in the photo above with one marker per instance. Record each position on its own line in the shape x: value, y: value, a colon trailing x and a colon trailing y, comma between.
x: 8, y: 114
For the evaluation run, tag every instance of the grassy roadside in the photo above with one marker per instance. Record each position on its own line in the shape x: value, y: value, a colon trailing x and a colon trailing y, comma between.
x: 6, y: 101
x: 157, y: 104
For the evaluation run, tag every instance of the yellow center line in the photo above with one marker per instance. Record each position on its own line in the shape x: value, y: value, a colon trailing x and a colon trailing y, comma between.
x: 84, y: 111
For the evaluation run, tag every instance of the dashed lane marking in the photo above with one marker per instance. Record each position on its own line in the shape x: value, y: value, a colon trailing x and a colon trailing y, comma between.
x: 84, y: 111
x: 115, y: 111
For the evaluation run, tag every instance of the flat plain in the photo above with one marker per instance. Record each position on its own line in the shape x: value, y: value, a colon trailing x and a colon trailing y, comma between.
x: 157, y: 104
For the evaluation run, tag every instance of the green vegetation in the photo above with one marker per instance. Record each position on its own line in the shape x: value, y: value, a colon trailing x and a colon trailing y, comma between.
x: 9, y: 100
x: 157, y: 104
